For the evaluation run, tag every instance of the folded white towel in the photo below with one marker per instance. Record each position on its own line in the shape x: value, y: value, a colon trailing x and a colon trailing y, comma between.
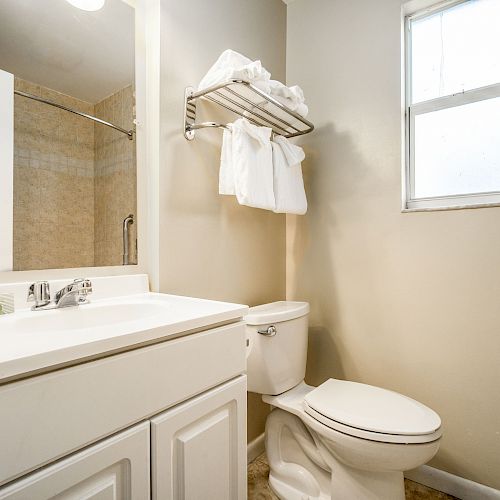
x: 252, y: 165
x: 289, y: 193
x: 232, y: 64
x: 292, y: 97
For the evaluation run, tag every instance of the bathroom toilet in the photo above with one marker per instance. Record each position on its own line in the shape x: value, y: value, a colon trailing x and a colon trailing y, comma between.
x: 342, y: 440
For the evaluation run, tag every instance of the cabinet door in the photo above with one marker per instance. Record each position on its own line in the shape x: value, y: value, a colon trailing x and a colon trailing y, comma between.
x: 199, y: 447
x: 114, y: 469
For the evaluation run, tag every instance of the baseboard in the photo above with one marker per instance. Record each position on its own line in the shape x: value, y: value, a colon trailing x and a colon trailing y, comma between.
x: 255, y: 448
x: 451, y: 484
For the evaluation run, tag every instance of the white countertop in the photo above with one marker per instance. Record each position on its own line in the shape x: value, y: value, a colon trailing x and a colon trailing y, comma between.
x: 35, y: 341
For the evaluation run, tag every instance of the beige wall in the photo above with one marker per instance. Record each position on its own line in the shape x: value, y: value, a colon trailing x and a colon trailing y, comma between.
x: 115, y: 180
x: 406, y: 301
x: 209, y: 245
x: 53, y: 170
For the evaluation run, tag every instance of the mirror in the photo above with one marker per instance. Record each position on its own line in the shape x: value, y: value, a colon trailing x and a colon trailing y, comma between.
x: 74, y: 200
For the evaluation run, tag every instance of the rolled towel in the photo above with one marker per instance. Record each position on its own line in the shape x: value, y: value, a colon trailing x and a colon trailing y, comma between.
x: 294, y: 93
x: 289, y: 193
x: 302, y: 110
x: 232, y: 64
x: 252, y: 165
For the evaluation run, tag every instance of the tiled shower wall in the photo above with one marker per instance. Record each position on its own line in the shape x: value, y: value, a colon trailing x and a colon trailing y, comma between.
x: 53, y: 182
x: 114, y: 180
x: 74, y: 181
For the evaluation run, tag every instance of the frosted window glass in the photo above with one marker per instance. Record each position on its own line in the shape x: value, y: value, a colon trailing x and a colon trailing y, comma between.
x: 455, y: 50
x: 457, y: 150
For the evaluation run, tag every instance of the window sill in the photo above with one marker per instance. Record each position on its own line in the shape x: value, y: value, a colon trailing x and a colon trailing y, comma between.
x: 459, y: 202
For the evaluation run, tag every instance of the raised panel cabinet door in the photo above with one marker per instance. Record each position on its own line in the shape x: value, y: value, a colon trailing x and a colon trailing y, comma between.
x: 198, y: 448
x: 116, y: 468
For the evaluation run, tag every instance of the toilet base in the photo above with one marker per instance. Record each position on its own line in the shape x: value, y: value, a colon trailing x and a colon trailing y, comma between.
x: 347, y: 487
x: 304, y: 465
x: 348, y: 483
x: 286, y: 492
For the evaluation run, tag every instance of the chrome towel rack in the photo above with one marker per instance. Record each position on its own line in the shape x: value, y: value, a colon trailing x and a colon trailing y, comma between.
x: 244, y: 99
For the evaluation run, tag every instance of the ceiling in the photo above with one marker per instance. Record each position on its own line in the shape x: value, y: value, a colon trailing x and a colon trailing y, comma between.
x: 88, y: 55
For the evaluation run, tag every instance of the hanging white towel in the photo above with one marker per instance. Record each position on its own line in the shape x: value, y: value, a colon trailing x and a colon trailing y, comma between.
x: 232, y: 64
x: 252, y: 164
x: 226, y: 173
x: 289, y: 193
x: 292, y: 97
x: 293, y: 154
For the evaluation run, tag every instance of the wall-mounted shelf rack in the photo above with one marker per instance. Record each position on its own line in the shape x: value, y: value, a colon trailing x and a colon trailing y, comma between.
x: 244, y: 99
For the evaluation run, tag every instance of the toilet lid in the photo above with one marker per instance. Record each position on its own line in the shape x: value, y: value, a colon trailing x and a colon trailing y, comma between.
x: 370, y: 408
x: 274, y: 312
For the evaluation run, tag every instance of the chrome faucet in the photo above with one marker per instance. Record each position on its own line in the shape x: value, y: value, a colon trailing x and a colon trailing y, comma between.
x: 74, y: 294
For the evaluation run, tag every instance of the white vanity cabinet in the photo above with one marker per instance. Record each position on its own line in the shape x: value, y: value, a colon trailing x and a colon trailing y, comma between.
x: 164, y: 421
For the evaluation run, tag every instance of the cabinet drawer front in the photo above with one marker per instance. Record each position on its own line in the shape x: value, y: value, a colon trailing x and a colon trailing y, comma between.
x: 117, y: 467
x: 198, y: 449
x: 49, y: 416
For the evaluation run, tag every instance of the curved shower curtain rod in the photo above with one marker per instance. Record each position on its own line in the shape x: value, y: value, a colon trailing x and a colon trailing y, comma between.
x: 129, y: 133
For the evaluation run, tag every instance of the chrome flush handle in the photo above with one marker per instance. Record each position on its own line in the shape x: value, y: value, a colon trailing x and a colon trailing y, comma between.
x: 270, y: 331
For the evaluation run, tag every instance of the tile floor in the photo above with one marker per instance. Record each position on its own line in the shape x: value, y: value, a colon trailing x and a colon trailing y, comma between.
x: 258, y: 487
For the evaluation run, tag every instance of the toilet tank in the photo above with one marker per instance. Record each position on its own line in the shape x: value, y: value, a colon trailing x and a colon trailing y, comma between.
x: 276, y: 346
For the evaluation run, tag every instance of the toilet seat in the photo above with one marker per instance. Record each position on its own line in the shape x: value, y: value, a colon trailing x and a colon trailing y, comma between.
x: 373, y: 413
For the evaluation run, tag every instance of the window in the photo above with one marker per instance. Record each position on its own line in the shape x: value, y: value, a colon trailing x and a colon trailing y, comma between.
x: 453, y: 106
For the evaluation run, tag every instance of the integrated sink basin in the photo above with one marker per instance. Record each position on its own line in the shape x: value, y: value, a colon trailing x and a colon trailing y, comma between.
x: 122, y: 315
x: 99, y: 314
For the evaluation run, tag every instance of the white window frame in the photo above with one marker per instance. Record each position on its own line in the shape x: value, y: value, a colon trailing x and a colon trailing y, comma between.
x: 410, y: 202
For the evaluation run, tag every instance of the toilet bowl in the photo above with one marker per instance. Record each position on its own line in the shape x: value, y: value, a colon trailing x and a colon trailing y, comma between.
x: 340, y: 440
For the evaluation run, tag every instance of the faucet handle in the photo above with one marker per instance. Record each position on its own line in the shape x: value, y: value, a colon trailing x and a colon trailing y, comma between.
x: 84, y: 287
x: 39, y: 292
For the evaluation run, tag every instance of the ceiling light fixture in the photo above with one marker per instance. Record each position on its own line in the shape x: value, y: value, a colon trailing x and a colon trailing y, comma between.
x: 89, y: 5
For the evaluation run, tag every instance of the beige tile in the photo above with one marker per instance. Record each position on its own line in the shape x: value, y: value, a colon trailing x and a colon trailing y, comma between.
x: 115, y: 192
x: 23, y: 213
x: 258, y: 486
x: 25, y: 86
x: 415, y: 491
x: 25, y: 256
x: 27, y: 186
